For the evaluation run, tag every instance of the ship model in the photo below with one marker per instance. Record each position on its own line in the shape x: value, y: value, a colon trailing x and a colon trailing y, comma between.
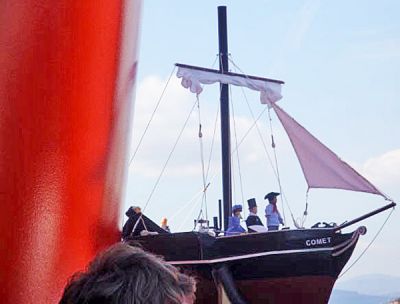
x: 286, y: 266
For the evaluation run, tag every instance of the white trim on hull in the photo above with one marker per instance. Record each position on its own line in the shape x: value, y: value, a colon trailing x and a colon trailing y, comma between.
x: 248, y: 256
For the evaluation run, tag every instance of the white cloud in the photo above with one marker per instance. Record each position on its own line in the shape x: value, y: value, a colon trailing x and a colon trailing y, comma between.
x: 174, y: 102
x: 167, y: 123
x: 384, y: 170
x: 164, y: 129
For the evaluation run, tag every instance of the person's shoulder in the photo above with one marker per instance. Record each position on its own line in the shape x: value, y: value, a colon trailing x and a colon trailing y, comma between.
x: 250, y: 218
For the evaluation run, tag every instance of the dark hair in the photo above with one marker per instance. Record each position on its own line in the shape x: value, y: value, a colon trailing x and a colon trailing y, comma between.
x: 125, y: 274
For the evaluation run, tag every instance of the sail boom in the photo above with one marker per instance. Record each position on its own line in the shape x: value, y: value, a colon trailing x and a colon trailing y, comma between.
x: 193, y: 67
x: 194, y: 78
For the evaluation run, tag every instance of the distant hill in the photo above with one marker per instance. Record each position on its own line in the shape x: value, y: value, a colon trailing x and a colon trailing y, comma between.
x: 372, y: 284
x: 366, y: 289
x: 352, y: 297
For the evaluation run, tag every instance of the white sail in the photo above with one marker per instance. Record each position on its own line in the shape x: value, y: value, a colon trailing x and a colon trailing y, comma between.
x: 193, y: 78
x: 321, y: 167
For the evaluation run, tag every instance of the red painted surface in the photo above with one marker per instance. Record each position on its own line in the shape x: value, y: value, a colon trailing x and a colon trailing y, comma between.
x: 66, y: 74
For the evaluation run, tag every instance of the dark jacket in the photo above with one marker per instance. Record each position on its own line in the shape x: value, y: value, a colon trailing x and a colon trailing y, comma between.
x: 130, y: 223
x: 253, y: 220
x: 127, y: 230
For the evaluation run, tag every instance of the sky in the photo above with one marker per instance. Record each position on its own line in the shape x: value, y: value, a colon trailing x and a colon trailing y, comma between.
x: 340, y: 61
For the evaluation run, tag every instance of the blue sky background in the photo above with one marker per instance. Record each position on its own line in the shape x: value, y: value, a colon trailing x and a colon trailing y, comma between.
x: 340, y: 61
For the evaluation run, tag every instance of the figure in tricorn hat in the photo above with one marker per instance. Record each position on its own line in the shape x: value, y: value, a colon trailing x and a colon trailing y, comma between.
x: 271, y: 212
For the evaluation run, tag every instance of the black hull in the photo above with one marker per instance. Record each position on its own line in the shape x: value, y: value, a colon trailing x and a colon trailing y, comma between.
x: 291, y: 265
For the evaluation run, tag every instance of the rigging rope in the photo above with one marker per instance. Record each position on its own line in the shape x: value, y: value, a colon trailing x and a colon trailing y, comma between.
x: 212, y: 143
x: 237, y: 153
x: 204, y: 199
x: 188, y: 215
x: 152, y: 116
x: 145, y: 131
x: 215, y: 126
x: 240, y: 142
x: 215, y: 60
x: 169, y: 157
x: 217, y: 171
x: 276, y: 160
x: 275, y: 170
x: 305, y: 213
x: 255, y: 123
x: 233, y: 185
x: 185, y: 205
x: 366, y: 248
x: 205, y: 173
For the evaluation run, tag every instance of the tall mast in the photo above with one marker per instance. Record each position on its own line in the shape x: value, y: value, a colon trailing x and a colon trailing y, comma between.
x: 225, y: 126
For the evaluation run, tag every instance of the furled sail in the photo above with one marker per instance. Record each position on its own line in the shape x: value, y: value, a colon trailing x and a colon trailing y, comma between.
x: 321, y: 167
x: 194, y: 77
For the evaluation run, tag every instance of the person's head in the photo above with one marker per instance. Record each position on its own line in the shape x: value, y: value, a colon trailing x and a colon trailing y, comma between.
x: 252, y: 205
x: 236, y: 209
x: 125, y: 274
x: 132, y: 211
x: 272, y: 197
x: 137, y: 209
x: 253, y: 210
x: 164, y: 222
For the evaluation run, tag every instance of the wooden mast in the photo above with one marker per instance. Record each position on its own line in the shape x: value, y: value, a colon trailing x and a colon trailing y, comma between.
x: 225, y: 126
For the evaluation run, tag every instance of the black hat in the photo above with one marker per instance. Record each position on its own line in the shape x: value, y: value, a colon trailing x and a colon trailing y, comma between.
x: 130, y: 212
x: 271, y: 195
x: 252, y: 203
